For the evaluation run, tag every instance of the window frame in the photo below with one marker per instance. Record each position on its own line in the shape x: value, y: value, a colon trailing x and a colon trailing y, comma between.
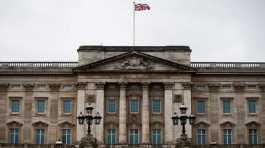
x: 45, y: 99
x: 108, y: 99
x: 12, y: 135
x: 134, y: 134
x: 227, y: 135
x: 152, y: 106
x: 204, y: 106
x: 250, y: 136
x: 67, y: 134
x: 134, y: 98
x: 36, y: 136
x: 156, y: 135
x: 230, y: 100
x: 201, y: 135
x: 19, y: 99
x: 63, y: 105
x: 111, y: 134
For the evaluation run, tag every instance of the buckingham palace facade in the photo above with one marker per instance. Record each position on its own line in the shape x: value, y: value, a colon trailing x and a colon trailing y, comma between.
x: 136, y: 90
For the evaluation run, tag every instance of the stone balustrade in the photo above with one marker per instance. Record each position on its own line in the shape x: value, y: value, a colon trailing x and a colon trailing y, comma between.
x: 199, y: 66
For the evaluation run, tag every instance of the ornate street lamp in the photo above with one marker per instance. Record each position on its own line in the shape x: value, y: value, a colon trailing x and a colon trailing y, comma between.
x: 183, y: 121
x: 88, y: 118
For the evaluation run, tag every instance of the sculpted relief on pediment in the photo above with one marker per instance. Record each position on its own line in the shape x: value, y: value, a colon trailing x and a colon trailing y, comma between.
x: 134, y: 63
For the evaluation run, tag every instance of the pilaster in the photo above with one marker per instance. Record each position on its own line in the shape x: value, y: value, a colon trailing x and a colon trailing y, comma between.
x: 187, y: 102
x: 122, y: 115
x: 168, y: 113
x: 145, y: 114
x: 81, y: 92
x: 100, y: 109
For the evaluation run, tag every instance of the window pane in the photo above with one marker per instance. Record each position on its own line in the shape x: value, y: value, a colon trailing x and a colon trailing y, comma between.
x: 66, y: 137
x: 156, y: 105
x: 226, y: 106
x: 200, y: 106
x: 134, y: 105
x: 134, y: 136
x: 253, y: 136
x: 156, y: 136
x: 111, y: 105
x: 227, y: 136
x: 252, y: 106
x: 67, y: 106
x: 39, y: 136
x: 14, y: 135
x: 15, y: 106
x: 40, y: 108
x: 201, y: 136
x: 111, y: 136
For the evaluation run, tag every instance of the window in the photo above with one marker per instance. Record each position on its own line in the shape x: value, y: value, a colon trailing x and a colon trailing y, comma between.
x: 134, y: 136
x: 252, y: 106
x: 111, y: 105
x: 134, y: 106
x: 39, y: 136
x: 200, y: 106
x: 156, y: 105
x: 14, y: 135
x: 227, y: 136
x: 201, y: 136
x: 67, y: 106
x: 226, y: 106
x: 111, y: 136
x: 15, y: 105
x: 253, y: 138
x: 66, y: 137
x: 156, y: 136
x: 40, y: 106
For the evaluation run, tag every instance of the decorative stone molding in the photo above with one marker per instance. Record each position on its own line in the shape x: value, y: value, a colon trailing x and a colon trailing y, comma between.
x: 55, y: 86
x: 169, y: 85
x: 239, y: 86
x: 100, y: 85
x: 90, y: 98
x: 4, y: 86
x: 81, y: 85
x: 123, y: 85
x: 262, y: 86
x: 214, y: 86
x: 28, y: 86
x: 186, y: 85
x: 145, y: 85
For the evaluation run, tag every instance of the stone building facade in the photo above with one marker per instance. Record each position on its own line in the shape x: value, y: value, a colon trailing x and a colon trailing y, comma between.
x: 136, y: 90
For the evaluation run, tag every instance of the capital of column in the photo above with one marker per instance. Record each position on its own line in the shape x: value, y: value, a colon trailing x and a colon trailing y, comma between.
x: 169, y: 85
x: 28, y: 86
x: 81, y: 85
x: 123, y: 85
x: 145, y: 85
x: 186, y: 85
x: 100, y: 85
x: 54, y: 86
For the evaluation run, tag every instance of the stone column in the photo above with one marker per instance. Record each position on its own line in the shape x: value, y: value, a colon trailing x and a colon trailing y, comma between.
x: 168, y: 113
x: 81, y: 93
x: 145, y: 115
x: 187, y: 102
x: 54, y: 113
x: 3, y: 112
x: 28, y: 102
x: 122, y: 115
x: 100, y: 109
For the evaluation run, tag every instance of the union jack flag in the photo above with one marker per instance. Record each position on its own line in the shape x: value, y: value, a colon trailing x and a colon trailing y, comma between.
x: 141, y: 7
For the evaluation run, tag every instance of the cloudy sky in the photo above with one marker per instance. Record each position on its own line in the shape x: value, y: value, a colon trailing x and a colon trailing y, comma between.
x: 52, y: 30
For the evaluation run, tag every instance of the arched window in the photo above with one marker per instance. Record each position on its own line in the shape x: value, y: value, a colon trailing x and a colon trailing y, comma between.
x: 40, y: 132
x: 253, y: 132
x: 14, y: 132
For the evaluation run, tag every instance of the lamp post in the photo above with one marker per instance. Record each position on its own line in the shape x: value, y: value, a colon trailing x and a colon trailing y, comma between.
x: 88, y: 118
x: 183, y: 121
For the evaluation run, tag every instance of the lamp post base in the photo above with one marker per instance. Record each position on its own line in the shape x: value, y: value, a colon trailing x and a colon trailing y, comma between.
x: 88, y: 142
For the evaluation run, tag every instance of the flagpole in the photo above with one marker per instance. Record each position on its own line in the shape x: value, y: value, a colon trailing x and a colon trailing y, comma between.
x: 133, y: 23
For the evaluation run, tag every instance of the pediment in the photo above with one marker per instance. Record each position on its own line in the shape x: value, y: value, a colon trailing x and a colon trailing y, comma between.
x: 134, y: 62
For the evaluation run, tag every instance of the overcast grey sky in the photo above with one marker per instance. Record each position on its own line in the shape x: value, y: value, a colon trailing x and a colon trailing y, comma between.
x: 52, y: 30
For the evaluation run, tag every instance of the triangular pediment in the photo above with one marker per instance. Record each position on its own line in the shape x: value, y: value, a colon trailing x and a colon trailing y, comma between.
x: 133, y: 62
